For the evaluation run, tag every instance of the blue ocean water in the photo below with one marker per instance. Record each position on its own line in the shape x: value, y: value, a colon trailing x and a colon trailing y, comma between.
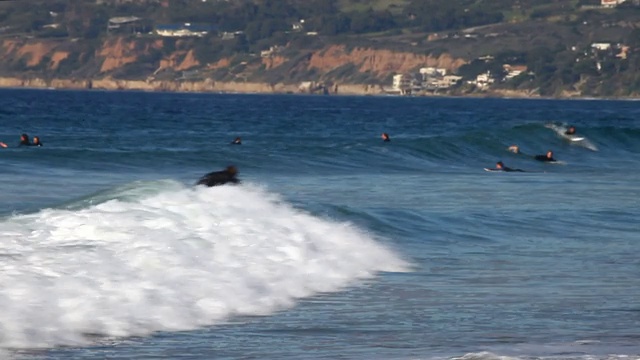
x: 336, y: 245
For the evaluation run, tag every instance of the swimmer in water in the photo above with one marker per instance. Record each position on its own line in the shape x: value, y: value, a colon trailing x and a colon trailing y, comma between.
x: 385, y: 137
x: 237, y: 141
x: 36, y: 141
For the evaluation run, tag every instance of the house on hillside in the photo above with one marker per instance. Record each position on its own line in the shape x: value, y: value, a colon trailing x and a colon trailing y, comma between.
x: 611, y: 3
x: 601, y: 46
x: 183, y: 30
x: 120, y: 2
x: 123, y: 23
x: 513, y: 70
x: 406, y: 84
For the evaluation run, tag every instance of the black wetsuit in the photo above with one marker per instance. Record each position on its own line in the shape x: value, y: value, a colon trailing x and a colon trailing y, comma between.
x: 508, y: 169
x: 544, y: 158
x: 219, y: 178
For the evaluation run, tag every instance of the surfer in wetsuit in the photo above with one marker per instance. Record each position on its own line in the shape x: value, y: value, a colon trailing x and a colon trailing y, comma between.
x: 215, y: 178
x: 500, y: 166
x: 24, y: 140
x: 385, y: 137
x: 237, y: 141
x: 546, y: 158
x: 570, y: 131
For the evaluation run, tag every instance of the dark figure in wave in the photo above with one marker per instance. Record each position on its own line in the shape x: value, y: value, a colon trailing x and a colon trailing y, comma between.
x: 215, y: 178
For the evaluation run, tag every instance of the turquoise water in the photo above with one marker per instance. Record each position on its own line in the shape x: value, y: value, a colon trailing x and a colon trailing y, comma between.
x: 336, y: 245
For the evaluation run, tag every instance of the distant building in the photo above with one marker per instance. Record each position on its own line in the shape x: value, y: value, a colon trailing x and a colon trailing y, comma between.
x: 406, y: 84
x: 451, y: 80
x: 298, y: 26
x: 272, y: 50
x: 484, y: 80
x: 432, y: 71
x: 513, y: 70
x: 611, y: 3
x: 183, y: 30
x: 123, y: 22
x: 601, y: 46
x: 120, y: 2
x: 624, y: 50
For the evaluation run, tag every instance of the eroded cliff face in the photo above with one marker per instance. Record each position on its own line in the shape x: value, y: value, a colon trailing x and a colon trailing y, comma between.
x: 381, y: 62
x: 29, y: 61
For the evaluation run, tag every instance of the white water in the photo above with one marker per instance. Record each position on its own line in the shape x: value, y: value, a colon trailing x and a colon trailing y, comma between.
x: 175, y: 260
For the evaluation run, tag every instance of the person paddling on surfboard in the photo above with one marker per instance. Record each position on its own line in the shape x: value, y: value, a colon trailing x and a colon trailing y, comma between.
x: 570, y: 131
x: 501, y: 167
x: 548, y: 157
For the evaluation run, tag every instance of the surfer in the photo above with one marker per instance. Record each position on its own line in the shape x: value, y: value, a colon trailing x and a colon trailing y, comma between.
x: 514, y: 149
x: 385, y: 137
x: 24, y: 140
x: 548, y: 157
x: 215, y: 178
x: 570, y: 131
x: 237, y: 141
x: 36, y: 141
x: 501, y: 167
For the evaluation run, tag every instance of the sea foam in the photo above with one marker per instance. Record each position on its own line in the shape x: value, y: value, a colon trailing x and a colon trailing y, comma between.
x: 178, y: 259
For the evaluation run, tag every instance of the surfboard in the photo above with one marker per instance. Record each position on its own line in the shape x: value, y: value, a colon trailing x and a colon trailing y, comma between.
x: 493, y: 170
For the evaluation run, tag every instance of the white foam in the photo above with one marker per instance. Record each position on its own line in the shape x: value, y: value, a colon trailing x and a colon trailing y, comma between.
x: 175, y: 260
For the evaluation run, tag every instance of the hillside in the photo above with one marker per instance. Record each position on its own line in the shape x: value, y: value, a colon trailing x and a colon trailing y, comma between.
x: 548, y: 48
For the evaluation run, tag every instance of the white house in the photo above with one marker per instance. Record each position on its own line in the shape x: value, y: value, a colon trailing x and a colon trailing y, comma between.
x: 601, y: 46
x: 484, y: 80
x: 182, y: 30
x: 611, y: 3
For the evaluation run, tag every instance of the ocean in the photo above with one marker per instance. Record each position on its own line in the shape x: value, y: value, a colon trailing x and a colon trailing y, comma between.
x: 336, y: 245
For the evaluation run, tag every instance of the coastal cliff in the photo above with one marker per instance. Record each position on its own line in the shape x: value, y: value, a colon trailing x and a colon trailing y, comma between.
x: 156, y: 64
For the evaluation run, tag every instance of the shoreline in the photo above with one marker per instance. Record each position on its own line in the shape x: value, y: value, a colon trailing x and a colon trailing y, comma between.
x: 220, y: 87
